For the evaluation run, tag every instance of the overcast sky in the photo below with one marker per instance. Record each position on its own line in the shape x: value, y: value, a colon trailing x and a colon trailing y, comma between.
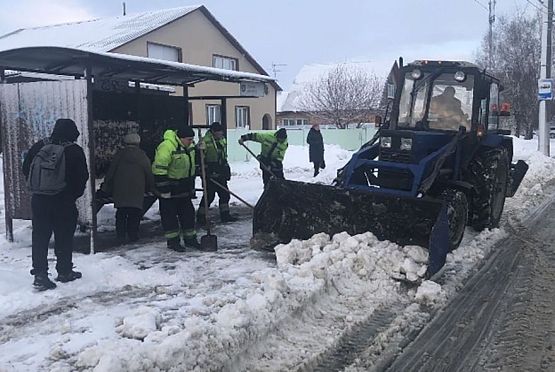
x: 299, y: 32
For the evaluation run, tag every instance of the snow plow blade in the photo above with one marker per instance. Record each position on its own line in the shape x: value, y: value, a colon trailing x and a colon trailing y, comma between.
x: 295, y: 210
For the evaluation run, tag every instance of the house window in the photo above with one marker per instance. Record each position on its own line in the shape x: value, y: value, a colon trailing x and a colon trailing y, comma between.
x: 302, y: 121
x: 165, y: 52
x: 242, y: 116
x: 227, y: 63
x: 212, y: 114
x: 390, y: 91
x: 288, y: 122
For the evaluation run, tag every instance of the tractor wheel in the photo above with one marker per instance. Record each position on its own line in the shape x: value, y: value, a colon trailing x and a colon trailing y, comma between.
x: 490, y: 176
x: 457, y: 215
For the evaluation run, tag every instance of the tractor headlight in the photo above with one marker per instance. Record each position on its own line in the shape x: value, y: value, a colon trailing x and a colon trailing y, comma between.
x: 385, y: 142
x: 460, y: 76
x: 416, y: 74
x: 406, y: 144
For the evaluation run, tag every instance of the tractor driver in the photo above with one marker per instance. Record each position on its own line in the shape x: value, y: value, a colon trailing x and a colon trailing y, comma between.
x: 448, y: 110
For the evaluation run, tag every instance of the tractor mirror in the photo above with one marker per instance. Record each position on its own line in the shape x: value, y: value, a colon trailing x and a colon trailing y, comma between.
x: 377, y: 120
x: 505, y: 109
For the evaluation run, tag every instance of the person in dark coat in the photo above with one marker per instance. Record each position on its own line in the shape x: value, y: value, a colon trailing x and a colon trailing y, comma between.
x: 57, y: 213
x: 316, y: 148
x: 127, y: 180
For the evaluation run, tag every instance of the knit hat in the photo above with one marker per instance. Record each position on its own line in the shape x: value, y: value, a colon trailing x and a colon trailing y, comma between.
x: 281, y: 133
x: 185, y: 132
x: 216, y: 127
x: 132, y: 139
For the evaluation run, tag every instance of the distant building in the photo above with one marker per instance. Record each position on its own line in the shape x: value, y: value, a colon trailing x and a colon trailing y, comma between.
x: 188, y: 35
x: 291, y: 111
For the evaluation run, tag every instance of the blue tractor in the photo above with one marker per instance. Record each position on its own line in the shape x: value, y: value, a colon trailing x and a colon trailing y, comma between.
x: 439, y: 163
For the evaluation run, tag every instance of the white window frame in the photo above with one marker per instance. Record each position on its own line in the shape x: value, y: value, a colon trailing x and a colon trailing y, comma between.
x: 226, y: 63
x: 242, y: 116
x: 164, y: 52
x: 213, y: 113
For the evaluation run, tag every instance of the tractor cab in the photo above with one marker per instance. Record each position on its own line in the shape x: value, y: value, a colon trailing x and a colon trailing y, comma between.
x: 436, y: 101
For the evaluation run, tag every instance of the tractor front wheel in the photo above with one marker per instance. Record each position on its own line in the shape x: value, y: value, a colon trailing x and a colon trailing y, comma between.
x: 490, y: 175
x: 457, y: 215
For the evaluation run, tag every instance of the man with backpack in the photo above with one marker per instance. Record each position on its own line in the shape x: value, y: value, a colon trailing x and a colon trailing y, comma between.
x: 56, y: 171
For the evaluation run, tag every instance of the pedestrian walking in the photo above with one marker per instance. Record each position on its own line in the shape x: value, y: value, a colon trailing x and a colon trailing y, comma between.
x: 56, y: 171
x: 174, y: 175
x: 316, y: 148
x: 217, y: 168
x: 128, y: 179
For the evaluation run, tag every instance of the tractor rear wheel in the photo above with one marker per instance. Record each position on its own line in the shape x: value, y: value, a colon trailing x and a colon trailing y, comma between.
x: 490, y: 174
x: 457, y: 215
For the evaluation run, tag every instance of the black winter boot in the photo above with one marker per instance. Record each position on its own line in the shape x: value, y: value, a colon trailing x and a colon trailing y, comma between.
x: 69, y: 277
x: 175, y: 245
x: 191, y: 242
x: 42, y: 283
x: 228, y: 217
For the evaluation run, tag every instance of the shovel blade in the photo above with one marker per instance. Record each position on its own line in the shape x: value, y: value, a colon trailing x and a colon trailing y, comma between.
x: 209, y: 243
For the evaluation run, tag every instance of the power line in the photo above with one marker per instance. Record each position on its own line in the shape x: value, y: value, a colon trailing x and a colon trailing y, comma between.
x: 536, y: 6
x: 482, y: 5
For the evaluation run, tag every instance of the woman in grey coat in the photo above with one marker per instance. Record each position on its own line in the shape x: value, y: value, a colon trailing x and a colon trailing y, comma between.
x: 127, y: 180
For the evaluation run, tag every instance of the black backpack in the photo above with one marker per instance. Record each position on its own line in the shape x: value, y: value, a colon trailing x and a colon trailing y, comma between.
x: 47, y: 175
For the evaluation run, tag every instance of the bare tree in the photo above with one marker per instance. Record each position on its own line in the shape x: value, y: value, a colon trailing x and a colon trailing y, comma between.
x: 516, y: 62
x: 344, y: 95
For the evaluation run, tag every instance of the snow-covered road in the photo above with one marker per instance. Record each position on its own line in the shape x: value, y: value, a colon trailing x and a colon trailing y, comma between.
x: 145, y: 308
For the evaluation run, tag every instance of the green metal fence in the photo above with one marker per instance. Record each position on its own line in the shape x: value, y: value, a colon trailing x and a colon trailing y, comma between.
x: 348, y: 139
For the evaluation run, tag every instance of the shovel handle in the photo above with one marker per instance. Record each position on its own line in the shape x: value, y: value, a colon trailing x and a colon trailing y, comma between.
x: 266, y: 168
x: 204, y: 185
x: 231, y: 192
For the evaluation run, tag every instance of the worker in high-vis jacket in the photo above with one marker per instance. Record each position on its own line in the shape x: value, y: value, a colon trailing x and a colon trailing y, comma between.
x: 174, y: 175
x: 273, y: 150
x: 217, y: 169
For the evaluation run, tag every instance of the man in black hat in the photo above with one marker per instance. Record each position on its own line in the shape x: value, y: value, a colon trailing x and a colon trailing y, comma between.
x: 217, y: 168
x: 56, y: 171
x: 273, y: 150
x: 174, y: 174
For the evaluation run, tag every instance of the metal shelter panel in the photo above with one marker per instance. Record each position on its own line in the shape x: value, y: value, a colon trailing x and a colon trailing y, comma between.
x: 28, y: 112
x: 72, y: 62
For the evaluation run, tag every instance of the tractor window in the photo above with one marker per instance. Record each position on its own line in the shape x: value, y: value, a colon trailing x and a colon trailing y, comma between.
x: 408, y: 117
x: 493, y: 120
x: 450, y: 103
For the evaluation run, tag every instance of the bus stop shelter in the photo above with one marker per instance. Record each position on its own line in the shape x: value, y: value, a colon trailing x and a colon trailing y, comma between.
x: 107, y: 95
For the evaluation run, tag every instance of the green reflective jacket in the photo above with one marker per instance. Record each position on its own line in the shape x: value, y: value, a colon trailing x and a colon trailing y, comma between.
x: 216, y: 150
x: 172, y: 159
x: 272, y: 149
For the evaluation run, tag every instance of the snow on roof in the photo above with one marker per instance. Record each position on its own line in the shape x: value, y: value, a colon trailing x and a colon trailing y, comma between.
x: 99, y: 35
x: 311, y: 74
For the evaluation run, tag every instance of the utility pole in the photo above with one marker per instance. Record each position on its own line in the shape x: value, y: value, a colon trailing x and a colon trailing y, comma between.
x: 124, y: 9
x: 490, y: 34
x: 545, y: 73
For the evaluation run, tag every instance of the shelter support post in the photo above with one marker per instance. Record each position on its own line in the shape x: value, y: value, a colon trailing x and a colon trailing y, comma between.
x: 7, y: 208
x: 92, y: 166
x: 186, y: 108
x: 223, y: 119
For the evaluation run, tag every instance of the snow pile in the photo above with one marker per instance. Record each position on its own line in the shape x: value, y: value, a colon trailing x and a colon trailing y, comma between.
x: 354, y: 266
x: 428, y: 293
x: 140, y: 324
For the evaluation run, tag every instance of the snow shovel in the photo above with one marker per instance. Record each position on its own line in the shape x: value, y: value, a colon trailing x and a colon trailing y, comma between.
x: 208, y: 242
x: 266, y: 168
x: 232, y: 193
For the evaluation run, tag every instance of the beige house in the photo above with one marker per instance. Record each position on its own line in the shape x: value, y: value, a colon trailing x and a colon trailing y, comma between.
x: 189, y: 35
